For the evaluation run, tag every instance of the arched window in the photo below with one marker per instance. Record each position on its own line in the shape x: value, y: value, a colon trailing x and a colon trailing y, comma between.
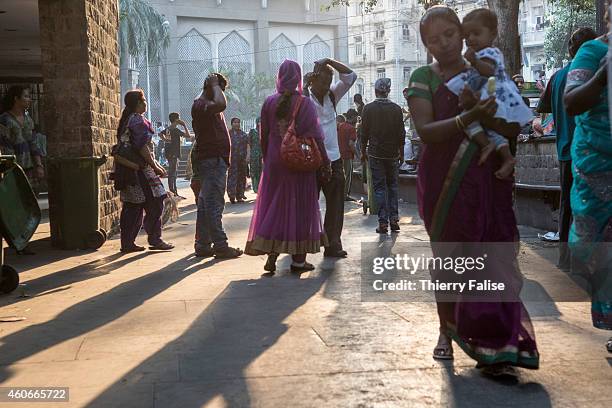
x: 282, y: 48
x: 234, y: 54
x: 314, y: 50
x: 194, y: 65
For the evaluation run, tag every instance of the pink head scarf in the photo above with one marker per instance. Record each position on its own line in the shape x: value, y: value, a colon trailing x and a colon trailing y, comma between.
x: 289, y: 77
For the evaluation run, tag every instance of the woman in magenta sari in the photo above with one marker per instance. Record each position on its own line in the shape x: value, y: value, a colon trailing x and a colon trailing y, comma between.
x: 465, y: 204
x: 286, y: 218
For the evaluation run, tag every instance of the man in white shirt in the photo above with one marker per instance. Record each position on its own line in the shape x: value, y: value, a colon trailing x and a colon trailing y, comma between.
x: 324, y: 94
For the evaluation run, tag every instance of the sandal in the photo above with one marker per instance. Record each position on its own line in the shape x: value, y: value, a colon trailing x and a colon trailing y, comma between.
x: 301, y: 269
x: 228, y: 253
x: 161, y: 246
x: 609, y: 345
x: 444, y: 349
x: 499, y: 370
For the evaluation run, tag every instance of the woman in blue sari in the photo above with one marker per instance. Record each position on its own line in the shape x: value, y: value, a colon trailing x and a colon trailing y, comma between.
x: 586, y: 97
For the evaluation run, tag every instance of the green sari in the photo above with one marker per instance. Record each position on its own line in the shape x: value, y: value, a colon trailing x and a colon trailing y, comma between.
x: 591, y: 194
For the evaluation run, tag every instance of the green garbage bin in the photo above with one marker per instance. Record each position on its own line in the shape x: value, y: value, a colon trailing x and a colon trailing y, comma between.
x: 74, y: 202
x: 19, y: 216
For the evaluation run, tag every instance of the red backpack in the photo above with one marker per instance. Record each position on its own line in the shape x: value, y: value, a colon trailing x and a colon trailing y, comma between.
x: 299, y: 153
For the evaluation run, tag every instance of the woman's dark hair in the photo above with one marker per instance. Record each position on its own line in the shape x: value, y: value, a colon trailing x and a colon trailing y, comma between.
x: 484, y: 16
x: 233, y: 119
x: 284, y: 105
x: 14, y: 92
x: 439, y: 12
x: 579, y: 37
x: 130, y: 100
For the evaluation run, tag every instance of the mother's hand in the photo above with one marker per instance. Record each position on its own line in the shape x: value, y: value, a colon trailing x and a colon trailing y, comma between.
x: 468, y: 98
x: 486, y: 108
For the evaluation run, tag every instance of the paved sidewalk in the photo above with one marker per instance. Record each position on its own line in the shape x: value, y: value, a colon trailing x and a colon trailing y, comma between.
x: 169, y: 330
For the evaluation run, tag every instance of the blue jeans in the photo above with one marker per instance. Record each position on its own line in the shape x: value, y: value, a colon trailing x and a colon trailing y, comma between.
x: 385, y: 181
x: 211, y: 202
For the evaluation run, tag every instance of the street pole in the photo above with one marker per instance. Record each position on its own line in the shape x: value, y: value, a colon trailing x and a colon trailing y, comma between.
x: 148, y: 82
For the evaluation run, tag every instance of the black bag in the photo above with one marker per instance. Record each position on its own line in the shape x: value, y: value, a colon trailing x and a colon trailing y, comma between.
x: 127, y: 162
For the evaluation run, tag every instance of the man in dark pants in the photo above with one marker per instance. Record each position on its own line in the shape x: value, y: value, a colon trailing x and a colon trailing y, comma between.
x: 552, y: 102
x: 172, y: 138
x: 383, y: 137
x: 324, y: 94
x: 212, y: 154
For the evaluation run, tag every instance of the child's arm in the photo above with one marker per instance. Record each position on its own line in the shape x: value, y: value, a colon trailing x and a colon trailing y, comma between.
x: 485, y: 66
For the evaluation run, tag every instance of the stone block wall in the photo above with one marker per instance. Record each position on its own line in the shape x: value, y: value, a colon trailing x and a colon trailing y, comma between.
x: 536, y: 162
x: 81, y: 78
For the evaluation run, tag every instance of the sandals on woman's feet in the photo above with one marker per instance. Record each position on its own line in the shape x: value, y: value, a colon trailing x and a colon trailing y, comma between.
x: 301, y: 269
x: 443, y: 353
x: 609, y: 345
x: 443, y: 350
x: 499, y: 370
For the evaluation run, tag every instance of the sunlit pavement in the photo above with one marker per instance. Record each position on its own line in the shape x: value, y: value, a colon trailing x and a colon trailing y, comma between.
x: 165, y: 329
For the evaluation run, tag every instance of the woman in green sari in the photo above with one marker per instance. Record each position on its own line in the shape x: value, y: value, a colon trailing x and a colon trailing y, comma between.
x: 586, y: 97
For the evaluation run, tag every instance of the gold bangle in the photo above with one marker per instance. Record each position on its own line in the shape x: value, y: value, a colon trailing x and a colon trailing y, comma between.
x: 459, y: 123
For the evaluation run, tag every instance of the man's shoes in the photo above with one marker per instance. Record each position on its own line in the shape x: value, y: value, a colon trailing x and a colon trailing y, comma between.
x: 240, y: 200
x: 395, y: 227
x: 382, y: 228
x: 348, y: 198
x: 340, y: 253
x: 204, y: 252
x: 233, y: 200
x: 161, y: 246
x: 27, y: 251
x: 228, y: 253
x: 133, y: 248
x: 243, y: 197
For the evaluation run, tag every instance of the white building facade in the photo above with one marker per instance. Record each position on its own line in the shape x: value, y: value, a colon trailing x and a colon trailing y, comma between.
x: 241, y: 37
x: 385, y: 43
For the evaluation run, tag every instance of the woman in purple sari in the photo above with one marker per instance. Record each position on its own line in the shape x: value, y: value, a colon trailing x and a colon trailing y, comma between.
x: 465, y: 206
x: 286, y: 218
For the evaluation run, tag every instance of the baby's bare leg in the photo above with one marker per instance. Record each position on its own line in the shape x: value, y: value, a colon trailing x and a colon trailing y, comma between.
x: 508, y: 162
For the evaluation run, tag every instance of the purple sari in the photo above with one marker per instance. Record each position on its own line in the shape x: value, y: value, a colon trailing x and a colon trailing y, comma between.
x: 286, y: 218
x: 481, y: 212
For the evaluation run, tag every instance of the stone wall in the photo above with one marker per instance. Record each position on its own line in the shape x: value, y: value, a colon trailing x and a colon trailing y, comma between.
x: 80, y: 63
x: 536, y: 162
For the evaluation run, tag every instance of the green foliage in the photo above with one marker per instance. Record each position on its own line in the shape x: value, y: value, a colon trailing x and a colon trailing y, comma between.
x: 142, y: 29
x: 567, y: 18
x: 246, y: 93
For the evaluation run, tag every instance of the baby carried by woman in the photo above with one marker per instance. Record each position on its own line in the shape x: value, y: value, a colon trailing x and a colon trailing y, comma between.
x: 487, y: 75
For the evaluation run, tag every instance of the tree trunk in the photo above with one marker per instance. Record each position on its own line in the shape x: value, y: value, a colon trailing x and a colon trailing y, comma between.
x: 600, y: 11
x: 508, y: 39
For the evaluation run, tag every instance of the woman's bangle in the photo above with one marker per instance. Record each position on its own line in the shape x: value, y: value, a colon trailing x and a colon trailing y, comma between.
x: 459, y: 123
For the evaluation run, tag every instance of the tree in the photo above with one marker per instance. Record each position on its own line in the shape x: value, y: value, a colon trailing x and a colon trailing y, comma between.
x: 142, y: 32
x: 246, y: 93
x: 508, y: 40
x: 566, y: 20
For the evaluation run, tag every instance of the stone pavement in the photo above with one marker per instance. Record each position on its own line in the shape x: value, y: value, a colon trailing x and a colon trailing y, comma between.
x: 169, y: 330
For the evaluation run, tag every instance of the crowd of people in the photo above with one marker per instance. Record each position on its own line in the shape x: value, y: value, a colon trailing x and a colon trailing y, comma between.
x: 466, y: 110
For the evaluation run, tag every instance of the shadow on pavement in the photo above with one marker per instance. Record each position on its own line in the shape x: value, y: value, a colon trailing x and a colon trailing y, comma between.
x: 76, y: 274
x: 92, y: 313
x: 244, y: 321
x: 471, y: 389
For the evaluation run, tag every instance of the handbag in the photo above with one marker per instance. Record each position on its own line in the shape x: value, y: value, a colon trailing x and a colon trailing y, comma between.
x: 127, y: 162
x: 299, y: 153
